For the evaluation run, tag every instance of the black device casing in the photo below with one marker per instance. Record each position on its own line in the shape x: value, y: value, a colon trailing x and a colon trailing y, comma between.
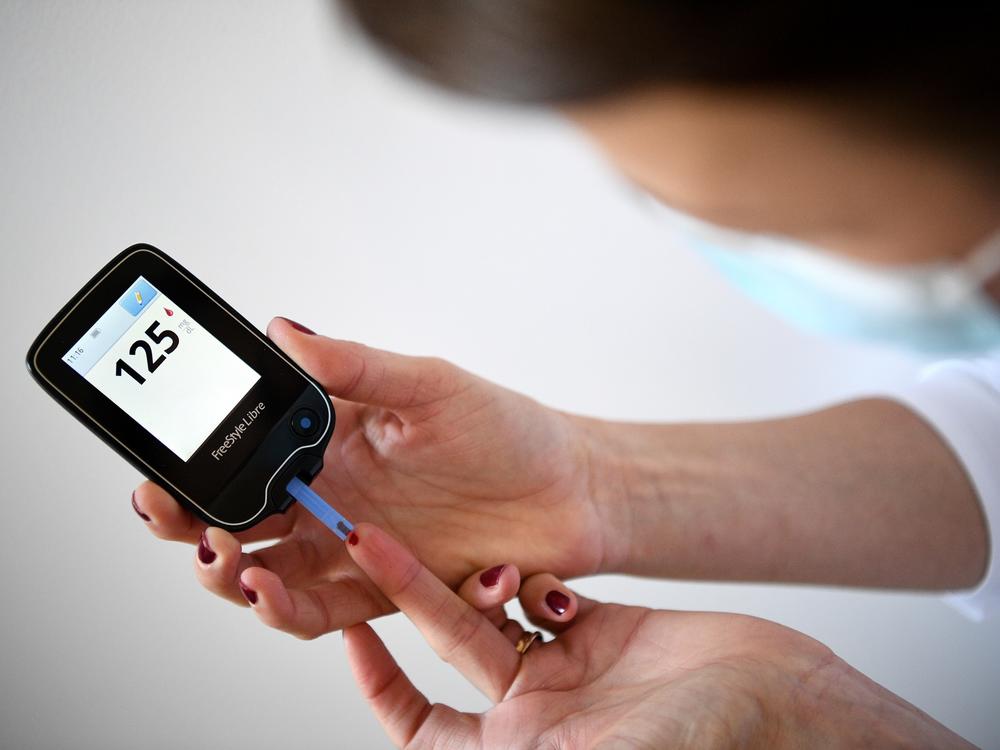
x: 257, y: 489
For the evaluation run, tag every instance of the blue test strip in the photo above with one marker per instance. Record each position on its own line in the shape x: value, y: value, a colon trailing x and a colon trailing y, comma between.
x: 319, y: 508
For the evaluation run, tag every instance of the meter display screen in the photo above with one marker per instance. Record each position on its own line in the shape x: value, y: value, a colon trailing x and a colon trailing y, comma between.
x: 154, y: 361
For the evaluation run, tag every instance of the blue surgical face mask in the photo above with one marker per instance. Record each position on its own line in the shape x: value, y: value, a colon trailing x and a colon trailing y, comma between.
x: 938, y: 308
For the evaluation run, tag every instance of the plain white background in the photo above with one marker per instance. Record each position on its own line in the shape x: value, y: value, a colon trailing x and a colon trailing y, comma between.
x: 293, y: 170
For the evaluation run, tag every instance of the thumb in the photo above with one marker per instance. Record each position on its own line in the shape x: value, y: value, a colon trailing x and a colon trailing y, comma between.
x: 356, y: 372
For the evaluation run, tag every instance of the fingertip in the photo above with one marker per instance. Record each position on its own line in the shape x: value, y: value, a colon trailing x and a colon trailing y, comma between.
x: 280, y: 326
x: 357, y: 637
x: 139, y: 511
x: 490, y: 578
x: 276, y: 324
x: 362, y: 645
x: 383, y: 559
x: 147, y: 486
x: 510, y: 582
x: 362, y: 538
x: 220, y: 539
x: 561, y: 604
x: 264, y: 591
x: 492, y: 587
x: 217, y: 557
x: 297, y: 612
x: 206, y: 554
x: 145, y: 498
x: 354, y: 536
x: 164, y: 516
x: 367, y: 656
x: 544, y: 597
x: 259, y: 576
x: 442, y: 617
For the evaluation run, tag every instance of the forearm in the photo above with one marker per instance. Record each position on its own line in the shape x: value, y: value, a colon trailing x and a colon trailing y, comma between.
x: 864, y: 494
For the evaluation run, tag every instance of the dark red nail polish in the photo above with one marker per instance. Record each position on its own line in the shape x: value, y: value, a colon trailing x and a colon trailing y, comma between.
x: 249, y: 593
x: 141, y: 515
x: 205, y: 553
x: 490, y: 578
x: 352, y: 539
x: 299, y: 327
x: 558, y: 602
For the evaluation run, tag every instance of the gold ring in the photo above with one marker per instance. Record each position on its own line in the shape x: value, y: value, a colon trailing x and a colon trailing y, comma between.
x: 525, y: 641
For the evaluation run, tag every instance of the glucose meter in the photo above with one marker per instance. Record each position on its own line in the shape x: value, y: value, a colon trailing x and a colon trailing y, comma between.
x: 184, y: 388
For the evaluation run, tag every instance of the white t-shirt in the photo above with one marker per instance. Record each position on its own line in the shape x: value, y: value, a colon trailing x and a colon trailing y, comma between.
x: 961, y: 399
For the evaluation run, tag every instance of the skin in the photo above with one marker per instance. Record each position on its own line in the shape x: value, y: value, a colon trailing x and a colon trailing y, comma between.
x: 616, y: 676
x: 544, y: 497
x: 807, y: 169
x: 465, y: 472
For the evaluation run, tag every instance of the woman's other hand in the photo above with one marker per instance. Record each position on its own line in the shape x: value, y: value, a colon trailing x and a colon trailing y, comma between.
x: 614, y: 676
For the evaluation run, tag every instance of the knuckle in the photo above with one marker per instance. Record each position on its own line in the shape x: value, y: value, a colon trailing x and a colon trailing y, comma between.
x: 358, y: 377
x: 407, y: 578
x: 462, y: 631
x: 318, y: 622
x: 438, y: 373
x: 435, y: 365
x: 432, y: 379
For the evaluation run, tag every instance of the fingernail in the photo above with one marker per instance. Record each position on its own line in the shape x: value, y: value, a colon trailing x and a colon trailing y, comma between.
x: 249, y: 593
x: 352, y: 539
x: 205, y: 553
x: 300, y: 327
x: 558, y: 602
x: 141, y: 515
x: 491, y: 577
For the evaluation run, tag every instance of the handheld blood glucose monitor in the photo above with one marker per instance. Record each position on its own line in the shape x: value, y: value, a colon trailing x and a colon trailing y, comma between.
x: 186, y: 390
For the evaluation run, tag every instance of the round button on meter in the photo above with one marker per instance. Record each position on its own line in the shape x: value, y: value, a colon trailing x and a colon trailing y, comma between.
x: 305, y: 422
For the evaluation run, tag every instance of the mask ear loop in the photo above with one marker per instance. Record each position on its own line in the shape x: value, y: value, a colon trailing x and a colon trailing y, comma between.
x: 958, y: 282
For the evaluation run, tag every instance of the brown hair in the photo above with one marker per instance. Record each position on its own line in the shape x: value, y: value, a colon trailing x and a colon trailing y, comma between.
x: 928, y: 69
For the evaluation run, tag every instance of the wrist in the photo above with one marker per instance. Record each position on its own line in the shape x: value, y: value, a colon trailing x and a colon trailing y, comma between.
x: 603, y: 465
x: 660, y: 494
x: 835, y: 705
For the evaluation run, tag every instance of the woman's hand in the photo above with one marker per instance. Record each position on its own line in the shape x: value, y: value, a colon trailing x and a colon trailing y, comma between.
x: 614, y: 676
x: 464, y: 471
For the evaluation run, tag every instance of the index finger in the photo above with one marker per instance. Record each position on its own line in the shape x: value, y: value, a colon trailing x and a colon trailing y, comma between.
x: 458, y: 633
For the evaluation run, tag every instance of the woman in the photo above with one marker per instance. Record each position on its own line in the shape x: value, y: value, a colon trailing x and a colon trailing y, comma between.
x: 871, y: 138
